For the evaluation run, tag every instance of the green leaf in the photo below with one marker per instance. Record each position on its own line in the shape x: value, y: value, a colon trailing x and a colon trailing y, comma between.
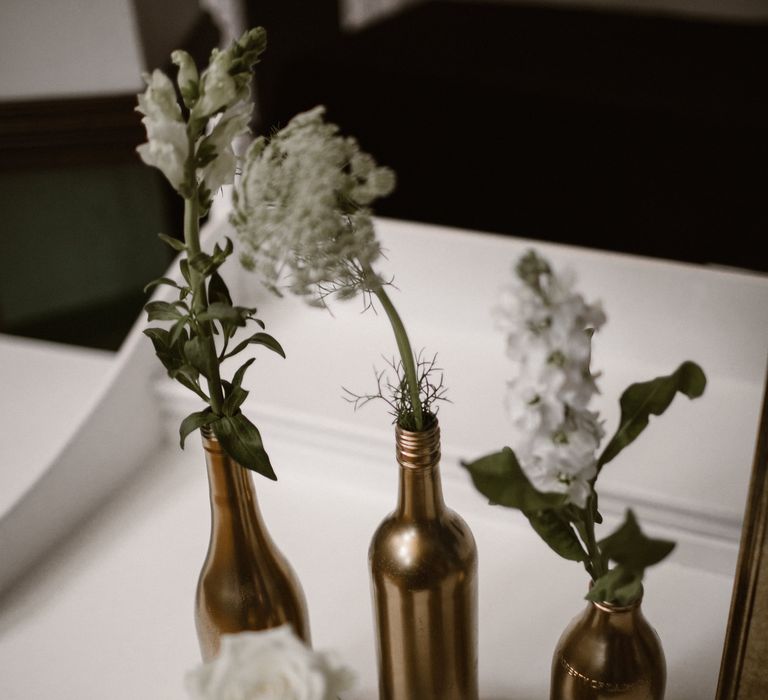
x: 258, y: 339
x: 167, y: 352
x: 187, y: 376
x: 159, y: 281
x: 226, y: 313
x: 641, y: 400
x: 629, y: 547
x: 194, y: 421
x: 178, y: 330
x: 241, y: 440
x: 184, y: 267
x: 218, y: 291
x: 557, y: 532
x: 162, y: 311
x: 619, y: 586
x: 196, y: 352
x: 203, y: 263
x: 498, y: 476
x: 158, y: 336
x: 234, y: 400
x: 237, y: 379
x: 175, y: 243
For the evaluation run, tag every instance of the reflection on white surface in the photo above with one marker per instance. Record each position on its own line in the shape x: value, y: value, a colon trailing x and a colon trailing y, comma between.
x: 46, y: 391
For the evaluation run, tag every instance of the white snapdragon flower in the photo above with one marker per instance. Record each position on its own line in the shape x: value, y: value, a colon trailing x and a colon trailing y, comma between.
x: 549, y: 329
x: 300, y: 207
x: 268, y: 665
x: 194, y: 150
x: 233, y: 123
x: 217, y: 87
x: 167, y: 147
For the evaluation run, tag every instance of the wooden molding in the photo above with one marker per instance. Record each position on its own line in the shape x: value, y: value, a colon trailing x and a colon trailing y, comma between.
x: 69, y: 132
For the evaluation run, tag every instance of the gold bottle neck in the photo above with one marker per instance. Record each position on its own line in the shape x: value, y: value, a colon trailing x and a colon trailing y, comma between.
x: 232, y: 494
x: 420, y: 495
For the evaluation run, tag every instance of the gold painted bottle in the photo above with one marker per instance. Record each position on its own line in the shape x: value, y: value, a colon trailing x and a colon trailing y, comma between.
x: 609, y: 652
x: 423, y: 563
x: 245, y: 582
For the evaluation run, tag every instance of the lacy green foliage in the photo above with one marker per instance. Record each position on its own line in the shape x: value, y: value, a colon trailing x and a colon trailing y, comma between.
x: 397, y: 395
x: 184, y: 349
x: 569, y: 530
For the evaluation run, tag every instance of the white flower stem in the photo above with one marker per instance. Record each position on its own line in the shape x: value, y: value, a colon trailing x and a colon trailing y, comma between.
x: 200, y: 300
x: 406, y: 353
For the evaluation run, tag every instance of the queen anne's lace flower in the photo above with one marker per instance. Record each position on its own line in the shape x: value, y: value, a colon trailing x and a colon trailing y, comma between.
x: 268, y: 665
x: 549, y: 329
x: 300, y: 208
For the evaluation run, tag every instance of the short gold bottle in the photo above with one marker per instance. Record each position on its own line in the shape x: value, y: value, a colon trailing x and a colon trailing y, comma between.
x: 423, y: 563
x: 609, y: 652
x: 245, y: 583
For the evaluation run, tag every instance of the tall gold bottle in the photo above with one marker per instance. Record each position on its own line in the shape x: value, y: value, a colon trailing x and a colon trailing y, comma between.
x: 245, y: 583
x: 423, y: 563
x: 609, y: 652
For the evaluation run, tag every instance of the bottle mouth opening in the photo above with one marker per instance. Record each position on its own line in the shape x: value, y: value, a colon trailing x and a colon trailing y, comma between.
x: 416, y: 450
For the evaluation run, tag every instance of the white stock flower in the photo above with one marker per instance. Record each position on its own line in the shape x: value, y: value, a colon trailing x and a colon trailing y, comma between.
x: 268, y: 665
x: 300, y: 207
x: 167, y: 147
x: 549, y: 329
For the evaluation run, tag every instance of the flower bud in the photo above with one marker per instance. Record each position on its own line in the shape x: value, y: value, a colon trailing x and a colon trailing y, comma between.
x: 188, y: 76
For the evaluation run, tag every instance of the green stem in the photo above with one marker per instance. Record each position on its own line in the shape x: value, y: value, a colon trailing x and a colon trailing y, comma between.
x: 404, y: 346
x: 200, y: 301
x: 597, y: 565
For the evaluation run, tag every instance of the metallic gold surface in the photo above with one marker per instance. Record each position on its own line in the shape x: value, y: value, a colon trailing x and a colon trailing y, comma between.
x: 609, y: 652
x: 245, y: 582
x: 423, y: 562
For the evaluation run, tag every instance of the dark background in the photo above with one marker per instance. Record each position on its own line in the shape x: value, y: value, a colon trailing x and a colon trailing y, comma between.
x: 629, y: 132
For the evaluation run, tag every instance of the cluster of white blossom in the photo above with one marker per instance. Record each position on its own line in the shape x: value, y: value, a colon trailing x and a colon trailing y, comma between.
x: 197, y: 152
x: 300, y: 208
x: 549, y: 337
x: 268, y: 665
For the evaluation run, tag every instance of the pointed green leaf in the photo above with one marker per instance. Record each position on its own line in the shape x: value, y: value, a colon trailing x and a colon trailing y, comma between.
x: 558, y: 533
x: 187, y: 376
x: 202, y: 262
x: 175, y: 243
x: 196, y: 351
x: 178, y: 330
x: 165, y: 350
x: 161, y: 311
x: 226, y: 313
x: 159, y: 281
x: 237, y: 379
x: 258, y: 339
x: 158, y: 336
x: 498, y: 476
x: 619, y: 586
x: 184, y: 267
x: 630, y: 547
x: 194, y: 421
x: 642, y: 400
x: 241, y: 440
x: 218, y: 292
x: 234, y: 400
